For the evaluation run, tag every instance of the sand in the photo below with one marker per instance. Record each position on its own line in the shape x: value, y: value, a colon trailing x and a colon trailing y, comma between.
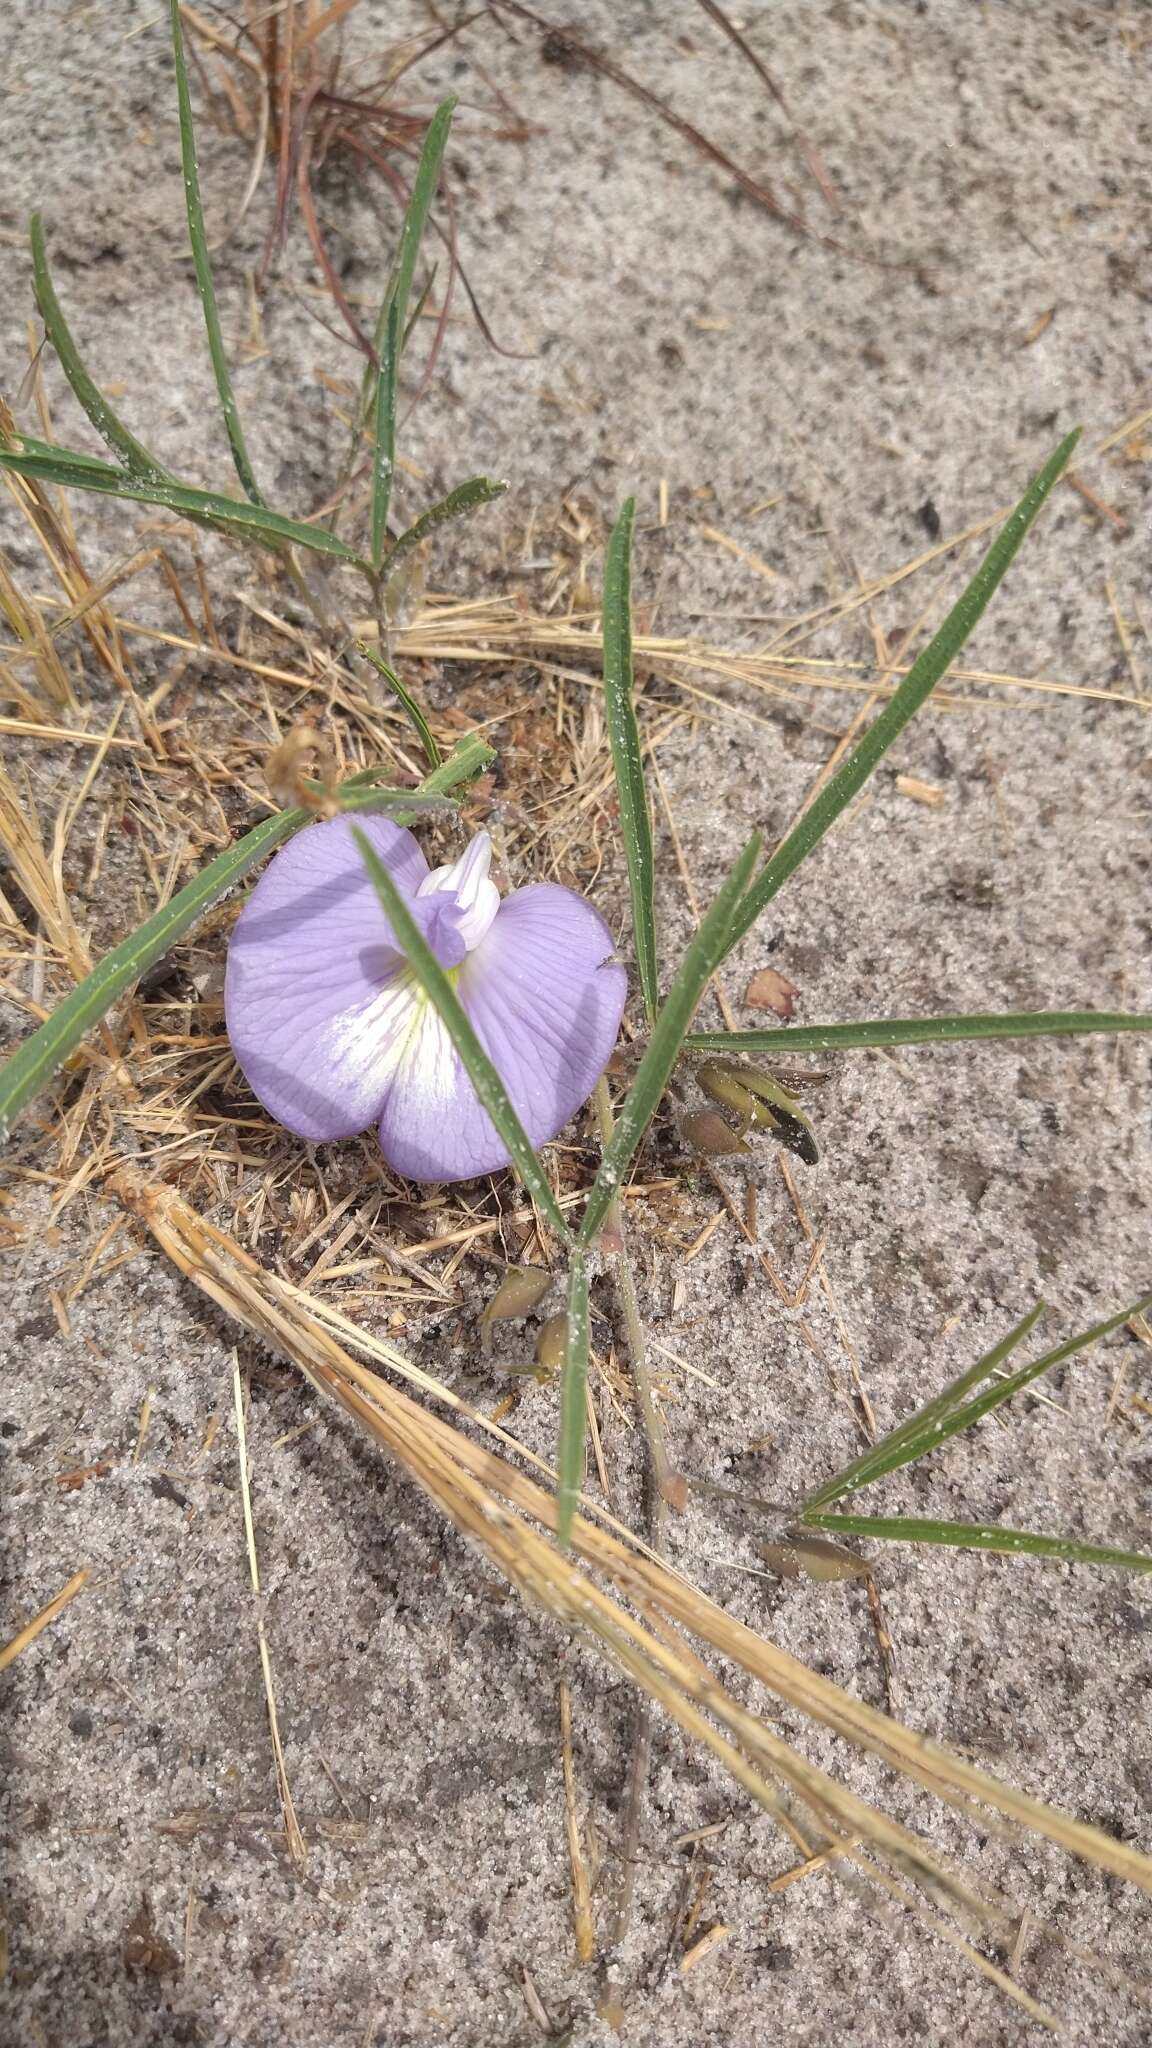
x: 831, y: 409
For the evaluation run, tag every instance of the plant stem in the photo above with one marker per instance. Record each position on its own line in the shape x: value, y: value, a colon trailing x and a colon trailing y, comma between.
x: 669, y: 1487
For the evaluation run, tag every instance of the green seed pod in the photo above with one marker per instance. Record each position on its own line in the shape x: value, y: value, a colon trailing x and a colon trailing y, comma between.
x: 706, y: 1131
x: 762, y: 1103
x: 726, y: 1085
x: 552, y: 1344
x: 757, y: 1082
x: 813, y: 1557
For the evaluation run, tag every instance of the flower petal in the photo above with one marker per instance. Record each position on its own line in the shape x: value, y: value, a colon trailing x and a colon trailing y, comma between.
x: 317, y: 997
x: 545, y: 997
x: 476, y: 896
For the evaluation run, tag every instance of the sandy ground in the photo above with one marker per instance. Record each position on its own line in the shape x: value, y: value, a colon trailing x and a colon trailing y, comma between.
x: 831, y: 409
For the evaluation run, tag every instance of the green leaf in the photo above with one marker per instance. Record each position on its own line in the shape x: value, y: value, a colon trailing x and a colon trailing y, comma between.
x: 700, y: 962
x: 468, y: 759
x: 418, y: 308
x: 384, y: 452
x: 924, y: 1430
x: 479, y: 490
x: 787, y: 1039
x: 203, y: 268
x: 33, y: 1064
x: 572, y: 1399
x: 949, y: 1413
x: 232, y: 516
x: 27, y: 444
x: 399, y: 287
x: 627, y: 758
x: 917, y: 685
x: 103, y: 416
x: 440, y: 992
x: 395, y: 803
x: 423, y: 729
x: 1003, y: 1390
x: 980, y: 1536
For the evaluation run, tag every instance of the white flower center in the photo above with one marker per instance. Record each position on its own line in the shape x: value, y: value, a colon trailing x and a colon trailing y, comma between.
x: 467, y: 880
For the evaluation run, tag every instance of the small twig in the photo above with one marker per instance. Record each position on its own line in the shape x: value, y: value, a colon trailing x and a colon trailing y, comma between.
x: 804, y: 144
x: 581, y: 1889
x: 666, y: 1487
x: 295, y: 1839
x: 23, y: 1637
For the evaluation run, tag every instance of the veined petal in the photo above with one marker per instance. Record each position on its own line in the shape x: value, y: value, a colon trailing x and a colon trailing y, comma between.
x: 545, y: 996
x: 318, y: 998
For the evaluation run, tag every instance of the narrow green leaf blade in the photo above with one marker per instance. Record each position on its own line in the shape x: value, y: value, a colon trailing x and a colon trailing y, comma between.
x: 787, y: 1039
x: 384, y: 453
x: 980, y: 1536
x: 202, y: 265
x: 422, y: 728
x: 627, y: 757
x: 468, y: 759
x: 418, y: 308
x: 399, y: 286
x: 27, y: 444
x: 102, y: 414
x: 478, y: 490
x: 924, y: 1430
x: 572, y: 1399
x: 917, y: 685
x: 700, y: 962
x: 1003, y: 1390
x: 949, y: 1413
x: 233, y: 516
x: 481, y: 1072
x: 32, y: 1065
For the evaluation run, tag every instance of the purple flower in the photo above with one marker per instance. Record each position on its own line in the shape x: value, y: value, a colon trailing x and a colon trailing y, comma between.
x: 333, y: 1031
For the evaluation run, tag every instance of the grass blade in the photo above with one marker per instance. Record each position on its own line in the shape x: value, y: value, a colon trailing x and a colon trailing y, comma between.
x: 468, y: 759
x: 980, y: 1536
x: 627, y: 758
x: 478, y: 490
x: 104, y: 417
x: 570, y: 1460
x: 201, y: 263
x: 949, y: 1413
x: 484, y: 1078
x: 924, y: 1428
x: 423, y: 729
x: 240, y: 521
x: 33, y: 1064
x: 27, y: 444
x: 384, y: 452
x: 1003, y: 1390
x: 700, y: 962
x: 786, y: 1039
x: 921, y: 679
x: 399, y: 287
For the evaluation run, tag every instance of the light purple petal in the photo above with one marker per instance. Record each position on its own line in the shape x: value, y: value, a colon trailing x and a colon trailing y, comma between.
x: 545, y: 997
x: 317, y: 998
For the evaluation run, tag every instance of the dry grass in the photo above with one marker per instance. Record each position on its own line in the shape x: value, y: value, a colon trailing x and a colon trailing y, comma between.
x: 634, y: 1610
